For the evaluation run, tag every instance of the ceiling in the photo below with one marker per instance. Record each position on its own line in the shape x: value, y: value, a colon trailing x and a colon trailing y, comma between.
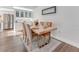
x: 29, y: 7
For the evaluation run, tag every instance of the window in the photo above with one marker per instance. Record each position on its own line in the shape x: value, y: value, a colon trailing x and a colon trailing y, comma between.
x: 17, y: 13
x: 22, y: 14
x: 30, y: 14
x: 25, y: 14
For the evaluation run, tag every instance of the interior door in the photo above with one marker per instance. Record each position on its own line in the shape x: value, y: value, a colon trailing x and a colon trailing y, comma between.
x: 8, y: 21
x: 5, y: 22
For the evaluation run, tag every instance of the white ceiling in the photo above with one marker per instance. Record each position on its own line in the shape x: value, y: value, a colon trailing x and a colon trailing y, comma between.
x: 29, y: 7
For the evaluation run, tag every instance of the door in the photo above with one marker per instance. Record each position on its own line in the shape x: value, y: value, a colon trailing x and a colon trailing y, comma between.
x: 8, y: 22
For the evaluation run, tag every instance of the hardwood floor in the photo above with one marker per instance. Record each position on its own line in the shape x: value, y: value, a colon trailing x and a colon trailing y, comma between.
x: 10, y: 42
x: 63, y: 47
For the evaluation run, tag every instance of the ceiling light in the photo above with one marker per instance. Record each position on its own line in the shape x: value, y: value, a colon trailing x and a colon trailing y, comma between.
x: 23, y: 8
x: 5, y: 9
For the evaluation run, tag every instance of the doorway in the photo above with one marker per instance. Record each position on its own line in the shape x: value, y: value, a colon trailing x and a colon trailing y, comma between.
x: 8, y: 23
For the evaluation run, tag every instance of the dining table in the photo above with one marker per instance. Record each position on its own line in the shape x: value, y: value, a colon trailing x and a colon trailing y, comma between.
x: 43, y: 32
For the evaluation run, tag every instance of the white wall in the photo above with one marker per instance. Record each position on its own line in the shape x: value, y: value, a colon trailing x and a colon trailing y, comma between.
x: 67, y: 20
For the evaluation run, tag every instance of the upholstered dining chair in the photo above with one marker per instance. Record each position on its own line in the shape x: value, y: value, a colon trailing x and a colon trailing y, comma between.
x: 44, y: 38
x: 28, y: 37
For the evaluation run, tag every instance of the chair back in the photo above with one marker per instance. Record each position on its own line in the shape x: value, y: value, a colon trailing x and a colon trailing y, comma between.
x: 28, y: 36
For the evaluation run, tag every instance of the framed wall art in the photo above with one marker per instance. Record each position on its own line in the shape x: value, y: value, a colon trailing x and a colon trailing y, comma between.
x: 49, y: 10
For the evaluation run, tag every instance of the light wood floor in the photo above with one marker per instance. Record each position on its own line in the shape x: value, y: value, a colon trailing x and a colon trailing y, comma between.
x: 63, y: 47
x: 10, y: 42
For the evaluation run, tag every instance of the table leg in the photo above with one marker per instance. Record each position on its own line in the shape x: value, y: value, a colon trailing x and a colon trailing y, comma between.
x: 38, y: 40
x: 49, y: 37
x: 42, y: 41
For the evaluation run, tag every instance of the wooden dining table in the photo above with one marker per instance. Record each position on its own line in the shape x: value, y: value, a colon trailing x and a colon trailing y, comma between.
x: 38, y: 30
x: 41, y: 31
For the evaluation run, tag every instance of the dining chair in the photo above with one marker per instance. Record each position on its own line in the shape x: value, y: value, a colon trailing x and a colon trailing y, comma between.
x: 28, y: 37
x: 45, y: 38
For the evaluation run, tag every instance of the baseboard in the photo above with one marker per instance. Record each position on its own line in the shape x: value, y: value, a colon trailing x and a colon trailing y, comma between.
x: 66, y: 41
